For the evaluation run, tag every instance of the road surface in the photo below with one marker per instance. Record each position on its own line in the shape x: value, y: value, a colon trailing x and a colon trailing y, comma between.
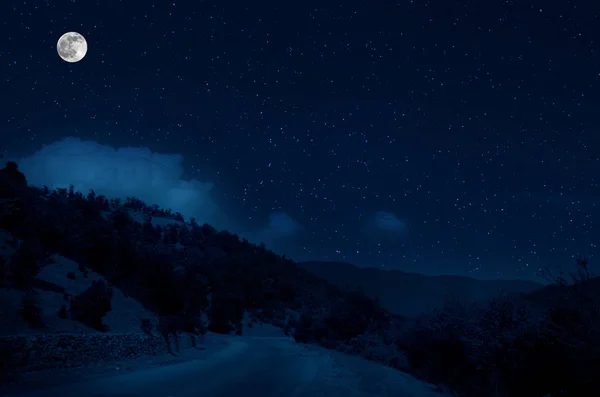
x: 251, y: 367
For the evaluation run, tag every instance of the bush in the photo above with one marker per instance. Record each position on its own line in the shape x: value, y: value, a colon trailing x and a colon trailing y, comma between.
x: 349, y: 316
x: 515, y: 346
x: 31, y: 310
x: 92, y: 305
x: 225, y: 314
x: 9, y: 360
x: 63, y: 313
x: 146, y: 326
x: 4, y: 273
x: 25, y: 264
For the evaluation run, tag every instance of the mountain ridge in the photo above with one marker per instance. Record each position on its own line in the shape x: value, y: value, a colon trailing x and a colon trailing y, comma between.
x: 412, y: 294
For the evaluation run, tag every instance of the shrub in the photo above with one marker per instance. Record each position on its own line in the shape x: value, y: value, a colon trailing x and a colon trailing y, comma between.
x: 146, y: 326
x: 287, y: 329
x: 225, y: 314
x: 63, y: 312
x: 91, y: 305
x: 545, y: 345
x: 347, y: 317
x: 31, y: 310
x: 25, y: 264
x: 4, y: 273
x: 310, y: 326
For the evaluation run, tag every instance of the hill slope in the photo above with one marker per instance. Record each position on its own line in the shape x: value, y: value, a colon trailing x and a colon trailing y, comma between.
x: 178, y: 276
x: 54, y: 284
x: 410, y: 294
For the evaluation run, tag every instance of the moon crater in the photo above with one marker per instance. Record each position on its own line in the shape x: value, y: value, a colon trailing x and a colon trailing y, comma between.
x: 71, y: 47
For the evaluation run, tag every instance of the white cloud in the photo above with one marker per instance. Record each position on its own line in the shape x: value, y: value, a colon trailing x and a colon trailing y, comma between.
x: 280, y: 227
x: 155, y: 178
x: 389, y: 222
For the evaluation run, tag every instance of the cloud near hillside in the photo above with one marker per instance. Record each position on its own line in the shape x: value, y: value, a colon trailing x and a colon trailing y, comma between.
x: 280, y: 227
x: 387, y: 221
x: 155, y: 178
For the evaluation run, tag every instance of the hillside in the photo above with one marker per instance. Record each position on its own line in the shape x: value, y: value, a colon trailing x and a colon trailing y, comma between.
x: 89, y: 264
x: 87, y: 279
x: 412, y: 294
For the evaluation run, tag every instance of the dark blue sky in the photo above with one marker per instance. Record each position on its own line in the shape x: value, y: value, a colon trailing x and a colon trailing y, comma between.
x: 428, y: 136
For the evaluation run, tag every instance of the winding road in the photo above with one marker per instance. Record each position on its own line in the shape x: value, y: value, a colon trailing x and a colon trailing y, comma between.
x: 251, y: 367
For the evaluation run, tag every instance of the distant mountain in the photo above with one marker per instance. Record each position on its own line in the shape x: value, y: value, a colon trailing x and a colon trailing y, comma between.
x: 410, y: 294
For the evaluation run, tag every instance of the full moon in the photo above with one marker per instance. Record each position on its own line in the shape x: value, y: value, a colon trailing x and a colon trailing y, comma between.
x: 71, y: 47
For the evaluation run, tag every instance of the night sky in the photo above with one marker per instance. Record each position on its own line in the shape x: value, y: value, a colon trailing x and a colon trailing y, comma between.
x: 440, y: 137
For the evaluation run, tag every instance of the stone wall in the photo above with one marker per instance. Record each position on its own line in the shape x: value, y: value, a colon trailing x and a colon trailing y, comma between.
x: 37, y: 352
